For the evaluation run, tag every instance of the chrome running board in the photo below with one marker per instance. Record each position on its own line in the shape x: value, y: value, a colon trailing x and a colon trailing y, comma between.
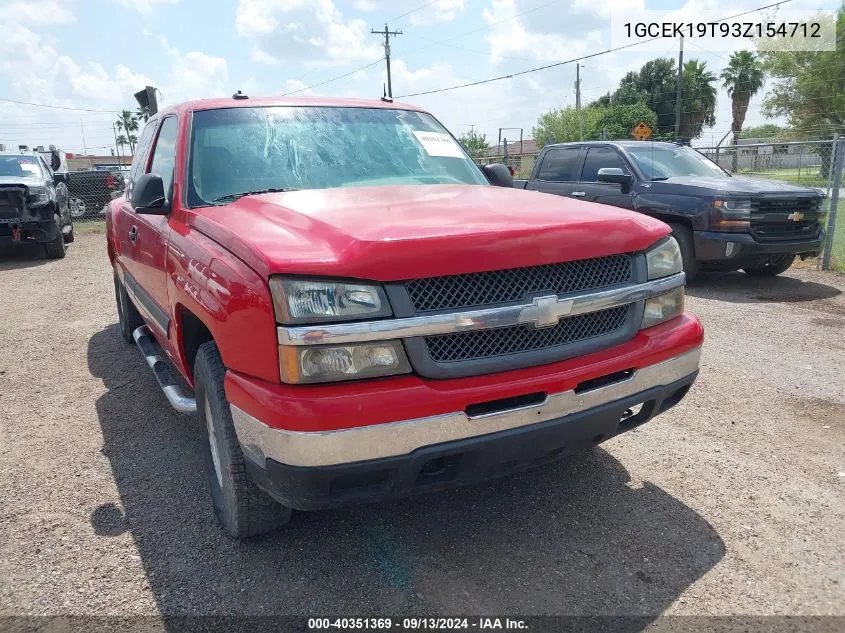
x: 166, y: 380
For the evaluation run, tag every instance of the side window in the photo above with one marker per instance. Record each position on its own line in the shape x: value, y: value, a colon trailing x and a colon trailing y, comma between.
x: 560, y: 165
x: 164, y: 154
x: 598, y: 158
x: 139, y: 161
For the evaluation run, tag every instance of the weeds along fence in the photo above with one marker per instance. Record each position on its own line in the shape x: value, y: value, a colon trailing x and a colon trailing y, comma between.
x: 817, y: 164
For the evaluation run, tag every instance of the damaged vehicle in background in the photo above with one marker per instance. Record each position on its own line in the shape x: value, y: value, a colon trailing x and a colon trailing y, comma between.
x: 34, y: 203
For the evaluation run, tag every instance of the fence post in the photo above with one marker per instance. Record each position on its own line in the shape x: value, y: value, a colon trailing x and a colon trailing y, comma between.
x: 835, y: 186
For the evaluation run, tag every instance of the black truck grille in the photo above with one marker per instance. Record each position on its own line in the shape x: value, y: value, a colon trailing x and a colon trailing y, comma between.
x: 503, y: 286
x: 465, y: 346
x: 775, y: 219
x: 11, y: 203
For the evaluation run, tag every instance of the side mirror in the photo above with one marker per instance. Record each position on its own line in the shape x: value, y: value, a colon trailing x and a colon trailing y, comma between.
x: 615, y: 174
x: 57, y: 178
x: 498, y: 175
x: 148, y: 195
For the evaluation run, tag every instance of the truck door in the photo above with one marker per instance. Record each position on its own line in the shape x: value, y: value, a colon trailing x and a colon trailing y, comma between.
x: 588, y: 187
x: 147, y: 234
x: 558, y: 170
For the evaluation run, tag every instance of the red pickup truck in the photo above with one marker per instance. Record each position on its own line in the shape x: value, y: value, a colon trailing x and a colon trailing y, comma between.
x: 356, y: 312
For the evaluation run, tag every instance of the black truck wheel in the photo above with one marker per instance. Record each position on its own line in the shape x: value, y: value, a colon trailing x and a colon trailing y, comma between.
x: 55, y: 248
x: 683, y: 236
x: 128, y: 316
x: 775, y: 267
x: 241, y: 507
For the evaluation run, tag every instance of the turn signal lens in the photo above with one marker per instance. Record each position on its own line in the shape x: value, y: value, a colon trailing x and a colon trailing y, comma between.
x: 662, y: 308
x: 329, y: 363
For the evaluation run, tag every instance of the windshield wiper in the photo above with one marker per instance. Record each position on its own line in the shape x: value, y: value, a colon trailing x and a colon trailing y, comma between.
x: 229, y: 197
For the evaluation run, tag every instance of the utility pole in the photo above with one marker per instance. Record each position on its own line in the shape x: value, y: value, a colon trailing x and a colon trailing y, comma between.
x: 578, y: 100
x: 680, y: 94
x: 387, y: 33
x: 84, y: 147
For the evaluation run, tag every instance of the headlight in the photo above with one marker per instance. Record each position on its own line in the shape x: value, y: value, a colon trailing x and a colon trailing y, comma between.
x: 662, y: 308
x: 664, y: 259
x: 305, y: 301
x: 39, y: 196
x: 327, y: 363
x: 730, y: 215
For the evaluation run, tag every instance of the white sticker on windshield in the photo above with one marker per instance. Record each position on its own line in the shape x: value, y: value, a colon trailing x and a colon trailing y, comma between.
x: 439, y: 144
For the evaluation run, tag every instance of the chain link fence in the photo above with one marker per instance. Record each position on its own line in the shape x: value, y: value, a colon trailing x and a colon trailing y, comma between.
x: 90, y: 191
x: 803, y: 163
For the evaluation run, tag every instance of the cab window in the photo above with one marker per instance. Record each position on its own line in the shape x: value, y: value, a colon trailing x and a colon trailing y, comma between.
x: 599, y: 158
x: 560, y: 164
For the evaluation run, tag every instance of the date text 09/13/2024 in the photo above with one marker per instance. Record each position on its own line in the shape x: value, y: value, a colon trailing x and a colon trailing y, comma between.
x: 418, y: 623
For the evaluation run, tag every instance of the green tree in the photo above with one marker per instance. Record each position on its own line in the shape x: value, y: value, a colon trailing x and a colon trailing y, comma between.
x: 698, y: 104
x: 809, y: 87
x: 766, y: 131
x: 743, y: 78
x: 474, y: 143
x: 562, y: 126
x: 619, y: 120
x: 128, y: 123
x: 654, y: 84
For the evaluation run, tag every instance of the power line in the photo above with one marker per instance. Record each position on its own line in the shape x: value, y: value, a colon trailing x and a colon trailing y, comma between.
x: 57, y: 107
x: 328, y: 81
x: 574, y: 59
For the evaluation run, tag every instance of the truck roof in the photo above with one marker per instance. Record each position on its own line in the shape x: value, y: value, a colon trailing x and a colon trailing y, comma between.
x: 252, y: 102
x: 618, y: 143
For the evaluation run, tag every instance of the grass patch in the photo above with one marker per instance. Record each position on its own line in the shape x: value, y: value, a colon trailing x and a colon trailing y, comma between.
x: 805, y: 177
x: 87, y: 227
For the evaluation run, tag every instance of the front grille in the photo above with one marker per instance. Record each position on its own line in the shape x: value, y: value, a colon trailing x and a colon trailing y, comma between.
x: 503, y: 286
x: 465, y: 346
x: 770, y: 221
x: 10, y: 203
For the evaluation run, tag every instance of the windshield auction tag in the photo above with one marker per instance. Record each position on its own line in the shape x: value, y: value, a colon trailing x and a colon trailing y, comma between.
x: 439, y: 144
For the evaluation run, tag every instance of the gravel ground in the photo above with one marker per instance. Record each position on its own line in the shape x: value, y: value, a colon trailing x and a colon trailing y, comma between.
x: 731, y: 503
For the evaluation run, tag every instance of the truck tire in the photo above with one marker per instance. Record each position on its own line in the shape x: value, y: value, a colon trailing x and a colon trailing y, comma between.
x: 778, y: 266
x: 55, y: 248
x: 242, y: 509
x: 683, y: 235
x: 128, y: 316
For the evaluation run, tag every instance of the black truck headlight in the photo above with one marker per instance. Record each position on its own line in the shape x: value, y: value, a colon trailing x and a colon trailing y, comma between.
x: 664, y: 259
x: 39, y: 196
x: 731, y: 216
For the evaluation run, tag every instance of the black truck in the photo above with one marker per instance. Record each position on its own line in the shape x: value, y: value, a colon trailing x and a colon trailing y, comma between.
x: 34, y: 203
x: 721, y: 222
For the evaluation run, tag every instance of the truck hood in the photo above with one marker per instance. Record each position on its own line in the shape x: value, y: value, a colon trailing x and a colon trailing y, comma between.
x: 734, y: 186
x: 391, y: 233
x: 26, y: 181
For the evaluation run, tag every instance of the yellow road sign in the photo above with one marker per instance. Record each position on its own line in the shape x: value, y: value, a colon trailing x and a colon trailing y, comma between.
x: 641, y: 131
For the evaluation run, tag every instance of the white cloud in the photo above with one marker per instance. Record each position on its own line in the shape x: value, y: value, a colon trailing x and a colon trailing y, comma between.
x: 440, y: 11
x: 297, y: 86
x: 367, y: 6
x: 313, y: 32
x: 145, y: 6
x: 48, y: 12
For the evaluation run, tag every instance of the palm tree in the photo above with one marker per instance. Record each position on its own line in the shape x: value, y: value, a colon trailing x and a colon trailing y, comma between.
x: 743, y: 77
x: 699, y: 99
x: 126, y: 122
x: 142, y: 113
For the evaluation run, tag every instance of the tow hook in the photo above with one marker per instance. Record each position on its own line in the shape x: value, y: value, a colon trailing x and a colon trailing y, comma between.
x: 16, y: 234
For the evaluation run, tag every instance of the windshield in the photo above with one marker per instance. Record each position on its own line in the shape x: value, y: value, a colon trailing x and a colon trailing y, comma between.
x: 660, y: 162
x: 22, y: 166
x: 238, y: 150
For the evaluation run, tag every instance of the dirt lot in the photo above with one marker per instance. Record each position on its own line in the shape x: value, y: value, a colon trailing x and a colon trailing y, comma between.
x: 732, y: 503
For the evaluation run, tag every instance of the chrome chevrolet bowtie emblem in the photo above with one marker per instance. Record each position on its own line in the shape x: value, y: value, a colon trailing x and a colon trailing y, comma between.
x: 545, y: 311
x: 795, y: 217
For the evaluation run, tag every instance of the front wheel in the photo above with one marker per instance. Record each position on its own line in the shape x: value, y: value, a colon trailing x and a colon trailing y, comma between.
x: 129, y: 319
x: 683, y: 235
x: 241, y: 507
x: 776, y: 266
x: 55, y: 248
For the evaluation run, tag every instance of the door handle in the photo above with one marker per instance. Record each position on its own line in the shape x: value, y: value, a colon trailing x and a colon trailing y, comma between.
x: 579, y: 194
x: 133, y: 234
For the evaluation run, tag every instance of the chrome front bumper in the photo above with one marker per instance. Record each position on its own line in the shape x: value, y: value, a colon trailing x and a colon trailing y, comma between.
x: 295, y: 448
